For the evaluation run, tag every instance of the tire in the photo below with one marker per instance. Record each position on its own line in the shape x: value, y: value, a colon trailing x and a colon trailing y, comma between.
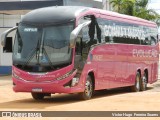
x: 88, y: 92
x: 136, y: 87
x: 38, y: 96
x: 143, y: 84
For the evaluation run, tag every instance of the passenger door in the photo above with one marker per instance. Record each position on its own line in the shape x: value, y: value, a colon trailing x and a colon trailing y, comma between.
x: 104, y: 55
x: 121, y: 65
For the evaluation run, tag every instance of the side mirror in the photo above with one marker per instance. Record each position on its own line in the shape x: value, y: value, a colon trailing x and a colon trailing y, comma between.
x: 5, y: 34
x: 76, y: 31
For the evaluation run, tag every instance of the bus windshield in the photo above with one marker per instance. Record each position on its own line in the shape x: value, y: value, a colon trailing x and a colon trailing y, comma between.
x: 42, y: 46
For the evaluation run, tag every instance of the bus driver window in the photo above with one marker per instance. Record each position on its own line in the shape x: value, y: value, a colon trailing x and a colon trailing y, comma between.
x: 78, y: 50
x: 82, y: 48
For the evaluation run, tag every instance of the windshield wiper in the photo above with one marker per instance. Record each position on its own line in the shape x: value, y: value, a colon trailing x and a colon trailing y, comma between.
x: 43, y: 51
x: 35, y: 52
x: 38, y: 51
x: 49, y: 61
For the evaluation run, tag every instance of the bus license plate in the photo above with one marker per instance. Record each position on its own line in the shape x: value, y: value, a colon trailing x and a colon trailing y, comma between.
x: 37, y: 90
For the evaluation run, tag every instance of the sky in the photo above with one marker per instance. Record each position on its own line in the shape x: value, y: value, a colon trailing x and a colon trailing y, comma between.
x: 154, y: 4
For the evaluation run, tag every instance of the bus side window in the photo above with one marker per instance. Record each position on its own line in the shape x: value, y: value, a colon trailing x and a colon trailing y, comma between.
x: 153, y: 40
x: 99, y: 32
x: 94, y: 31
x: 145, y: 42
x: 109, y: 39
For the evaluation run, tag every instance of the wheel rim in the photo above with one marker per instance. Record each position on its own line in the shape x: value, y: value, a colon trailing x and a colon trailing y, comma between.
x: 88, y: 88
x: 137, y: 83
x: 144, y: 82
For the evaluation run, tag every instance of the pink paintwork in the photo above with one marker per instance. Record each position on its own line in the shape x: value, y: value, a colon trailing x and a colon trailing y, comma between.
x: 113, y: 65
x: 117, y: 65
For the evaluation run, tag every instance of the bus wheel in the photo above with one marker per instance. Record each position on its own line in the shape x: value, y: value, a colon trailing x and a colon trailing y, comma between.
x: 88, y: 92
x: 144, y: 82
x: 136, y: 87
x: 38, y: 96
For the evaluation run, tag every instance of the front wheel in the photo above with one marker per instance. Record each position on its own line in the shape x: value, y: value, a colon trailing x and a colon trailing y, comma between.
x: 38, y: 96
x: 136, y: 87
x: 88, y: 92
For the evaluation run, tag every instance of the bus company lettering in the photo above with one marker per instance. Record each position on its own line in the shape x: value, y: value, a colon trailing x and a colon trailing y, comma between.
x: 47, y: 76
x: 97, y: 57
x: 144, y: 53
x: 30, y: 30
x: 124, y: 31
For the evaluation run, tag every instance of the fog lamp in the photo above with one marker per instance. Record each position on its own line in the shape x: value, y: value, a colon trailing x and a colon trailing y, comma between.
x: 74, y: 81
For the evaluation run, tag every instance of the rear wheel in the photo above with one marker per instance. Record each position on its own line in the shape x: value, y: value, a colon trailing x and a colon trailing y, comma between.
x: 136, y: 87
x: 88, y: 92
x: 38, y: 96
x: 144, y: 82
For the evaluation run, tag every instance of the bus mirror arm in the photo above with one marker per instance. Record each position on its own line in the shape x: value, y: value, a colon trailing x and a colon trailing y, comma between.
x: 75, y: 32
x: 5, y: 34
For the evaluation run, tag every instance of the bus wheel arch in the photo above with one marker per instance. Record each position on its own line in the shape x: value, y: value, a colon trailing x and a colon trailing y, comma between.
x: 93, y: 79
x: 89, y: 87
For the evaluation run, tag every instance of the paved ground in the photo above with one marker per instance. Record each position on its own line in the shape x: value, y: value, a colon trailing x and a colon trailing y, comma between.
x: 109, y: 100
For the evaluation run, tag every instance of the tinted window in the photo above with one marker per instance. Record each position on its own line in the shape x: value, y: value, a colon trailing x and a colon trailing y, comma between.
x: 120, y: 32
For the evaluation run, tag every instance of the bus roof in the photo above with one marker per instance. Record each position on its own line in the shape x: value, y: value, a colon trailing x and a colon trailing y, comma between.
x: 53, y: 15
x: 127, y: 18
x: 64, y: 14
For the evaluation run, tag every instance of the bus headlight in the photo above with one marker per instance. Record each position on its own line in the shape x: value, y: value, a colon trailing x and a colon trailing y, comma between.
x: 16, y: 76
x: 65, y: 75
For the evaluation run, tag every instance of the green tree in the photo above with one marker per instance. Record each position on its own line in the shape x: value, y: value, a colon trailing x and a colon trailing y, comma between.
x: 140, y: 10
x: 136, y: 8
x: 117, y: 5
x: 123, y: 6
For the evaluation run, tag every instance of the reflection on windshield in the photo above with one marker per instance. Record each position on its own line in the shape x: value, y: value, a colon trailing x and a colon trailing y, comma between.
x: 44, y: 47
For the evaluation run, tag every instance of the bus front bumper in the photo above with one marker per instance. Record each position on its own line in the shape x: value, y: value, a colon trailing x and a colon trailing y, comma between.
x: 57, y: 86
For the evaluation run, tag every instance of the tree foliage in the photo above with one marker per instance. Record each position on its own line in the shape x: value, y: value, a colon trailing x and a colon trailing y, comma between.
x: 123, y: 6
x: 136, y: 8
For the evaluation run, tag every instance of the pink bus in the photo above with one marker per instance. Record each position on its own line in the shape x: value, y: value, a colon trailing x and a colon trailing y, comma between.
x: 71, y: 49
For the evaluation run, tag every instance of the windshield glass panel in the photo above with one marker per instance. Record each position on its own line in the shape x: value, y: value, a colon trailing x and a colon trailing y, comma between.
x: 42, y: 46
x: 56, y: 43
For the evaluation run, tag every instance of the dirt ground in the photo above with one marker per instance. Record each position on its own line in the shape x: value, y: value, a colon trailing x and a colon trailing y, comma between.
x: 109, y: 100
